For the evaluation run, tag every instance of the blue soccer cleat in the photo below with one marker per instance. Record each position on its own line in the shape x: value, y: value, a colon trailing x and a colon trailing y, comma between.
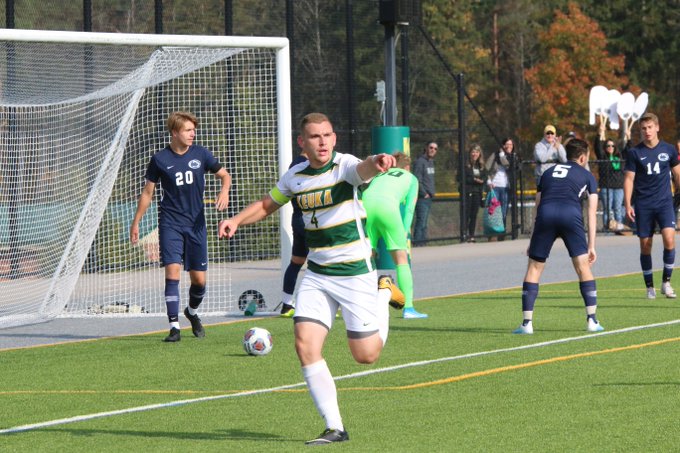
x: 411, y: 313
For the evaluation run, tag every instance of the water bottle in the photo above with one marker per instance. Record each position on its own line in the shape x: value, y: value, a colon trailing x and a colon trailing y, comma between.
x: 251, y: 308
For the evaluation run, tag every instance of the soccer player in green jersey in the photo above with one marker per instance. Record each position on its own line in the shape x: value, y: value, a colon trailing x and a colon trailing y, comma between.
x: 383, y: 200
x: 340, y: 271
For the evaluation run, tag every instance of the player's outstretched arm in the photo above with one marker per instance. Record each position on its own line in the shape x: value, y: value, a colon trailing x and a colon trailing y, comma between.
x: 142, y: 205
x: 223, y: 198
x: 252, y: 213
x: 375, y: 164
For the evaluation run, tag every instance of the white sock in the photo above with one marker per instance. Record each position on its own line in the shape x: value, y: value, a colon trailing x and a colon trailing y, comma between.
x: 383, y: 313
x: 287, y: 298
x: 192, y: 311
x: 322, y: 388
x: 174, y: 324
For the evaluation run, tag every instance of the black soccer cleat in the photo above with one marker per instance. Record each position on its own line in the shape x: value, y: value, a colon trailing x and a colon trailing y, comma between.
x: 174, y: 336
x: 196, y: 326
x: 287, y: 310
x: 328, y: 437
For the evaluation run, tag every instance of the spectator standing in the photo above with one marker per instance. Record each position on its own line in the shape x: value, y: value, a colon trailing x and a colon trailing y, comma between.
x: 500, y: 167
x: 611, y: 180
x: 548, y: 151
x: 423, y: 170
x: 474, y: 177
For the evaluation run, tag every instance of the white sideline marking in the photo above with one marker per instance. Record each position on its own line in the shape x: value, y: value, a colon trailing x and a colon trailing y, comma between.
x: 86, y: 417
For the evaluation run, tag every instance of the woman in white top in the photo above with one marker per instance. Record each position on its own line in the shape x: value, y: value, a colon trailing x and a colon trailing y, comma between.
x: 499, y: 166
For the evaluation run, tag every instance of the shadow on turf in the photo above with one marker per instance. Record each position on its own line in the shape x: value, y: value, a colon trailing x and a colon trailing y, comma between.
x: 227, y: 434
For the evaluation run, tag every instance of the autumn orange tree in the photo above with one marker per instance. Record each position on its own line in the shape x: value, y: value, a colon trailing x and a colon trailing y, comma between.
x: 573, y: 60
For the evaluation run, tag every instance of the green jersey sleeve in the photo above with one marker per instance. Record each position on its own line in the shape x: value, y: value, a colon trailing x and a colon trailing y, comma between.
x: 410, y: 202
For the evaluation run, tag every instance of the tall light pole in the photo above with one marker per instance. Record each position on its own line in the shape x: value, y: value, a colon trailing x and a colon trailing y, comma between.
x: 393, y: 13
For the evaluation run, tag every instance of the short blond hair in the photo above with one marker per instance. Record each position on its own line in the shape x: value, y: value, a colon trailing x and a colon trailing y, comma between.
x: 177, y: 119
x: 403, y: 160
x: 649, y: 116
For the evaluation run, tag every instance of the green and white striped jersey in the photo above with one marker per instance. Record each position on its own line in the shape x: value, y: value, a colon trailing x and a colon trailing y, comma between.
x: 333, y: 213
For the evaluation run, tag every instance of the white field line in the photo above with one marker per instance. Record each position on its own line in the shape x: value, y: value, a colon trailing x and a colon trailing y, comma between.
x: 86, y: 417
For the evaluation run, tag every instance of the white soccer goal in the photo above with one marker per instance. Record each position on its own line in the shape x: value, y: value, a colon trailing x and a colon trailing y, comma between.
x: 80, y: 116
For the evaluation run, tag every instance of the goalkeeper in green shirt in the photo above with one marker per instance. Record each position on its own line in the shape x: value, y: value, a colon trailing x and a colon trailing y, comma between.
x: 382, y: 200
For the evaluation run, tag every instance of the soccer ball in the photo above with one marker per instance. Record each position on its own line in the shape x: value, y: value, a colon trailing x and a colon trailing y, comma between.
x: 257, y: 341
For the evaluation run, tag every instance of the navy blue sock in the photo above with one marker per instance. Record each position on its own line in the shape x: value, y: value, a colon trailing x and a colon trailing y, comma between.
x: 196, y: 293
x: 529, y: 295
x: 290, y: 277
x: 646, y: 265
x: 593, y: 317
x: 668, y: 263
x: 172, y: 299
x: 588, y: 292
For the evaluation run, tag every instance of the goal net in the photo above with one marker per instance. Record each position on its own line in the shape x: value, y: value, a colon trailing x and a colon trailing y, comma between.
x: 80, y: 116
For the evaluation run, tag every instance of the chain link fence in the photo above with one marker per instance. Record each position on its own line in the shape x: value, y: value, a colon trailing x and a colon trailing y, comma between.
x: 337, y: 53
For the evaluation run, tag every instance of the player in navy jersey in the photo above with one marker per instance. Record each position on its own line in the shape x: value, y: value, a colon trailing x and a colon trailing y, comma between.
x: 647, y: 185
x: 180, y: 169
x: 298, y: 255
x: 559, y: 215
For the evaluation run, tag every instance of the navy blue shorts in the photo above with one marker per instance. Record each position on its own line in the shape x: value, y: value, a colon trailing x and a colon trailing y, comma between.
x: 184, y: 245
x: 647, y: 218
x: 554, y: 222
x: 299, y: 244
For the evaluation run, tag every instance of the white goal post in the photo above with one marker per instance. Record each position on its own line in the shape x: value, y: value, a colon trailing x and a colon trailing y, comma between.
x: 80, y: 116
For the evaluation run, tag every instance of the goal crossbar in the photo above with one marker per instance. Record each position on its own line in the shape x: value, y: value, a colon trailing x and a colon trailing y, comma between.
x: 71, y: 166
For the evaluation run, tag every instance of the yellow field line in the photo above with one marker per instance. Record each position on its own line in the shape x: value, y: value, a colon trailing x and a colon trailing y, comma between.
x: 520, y: 366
